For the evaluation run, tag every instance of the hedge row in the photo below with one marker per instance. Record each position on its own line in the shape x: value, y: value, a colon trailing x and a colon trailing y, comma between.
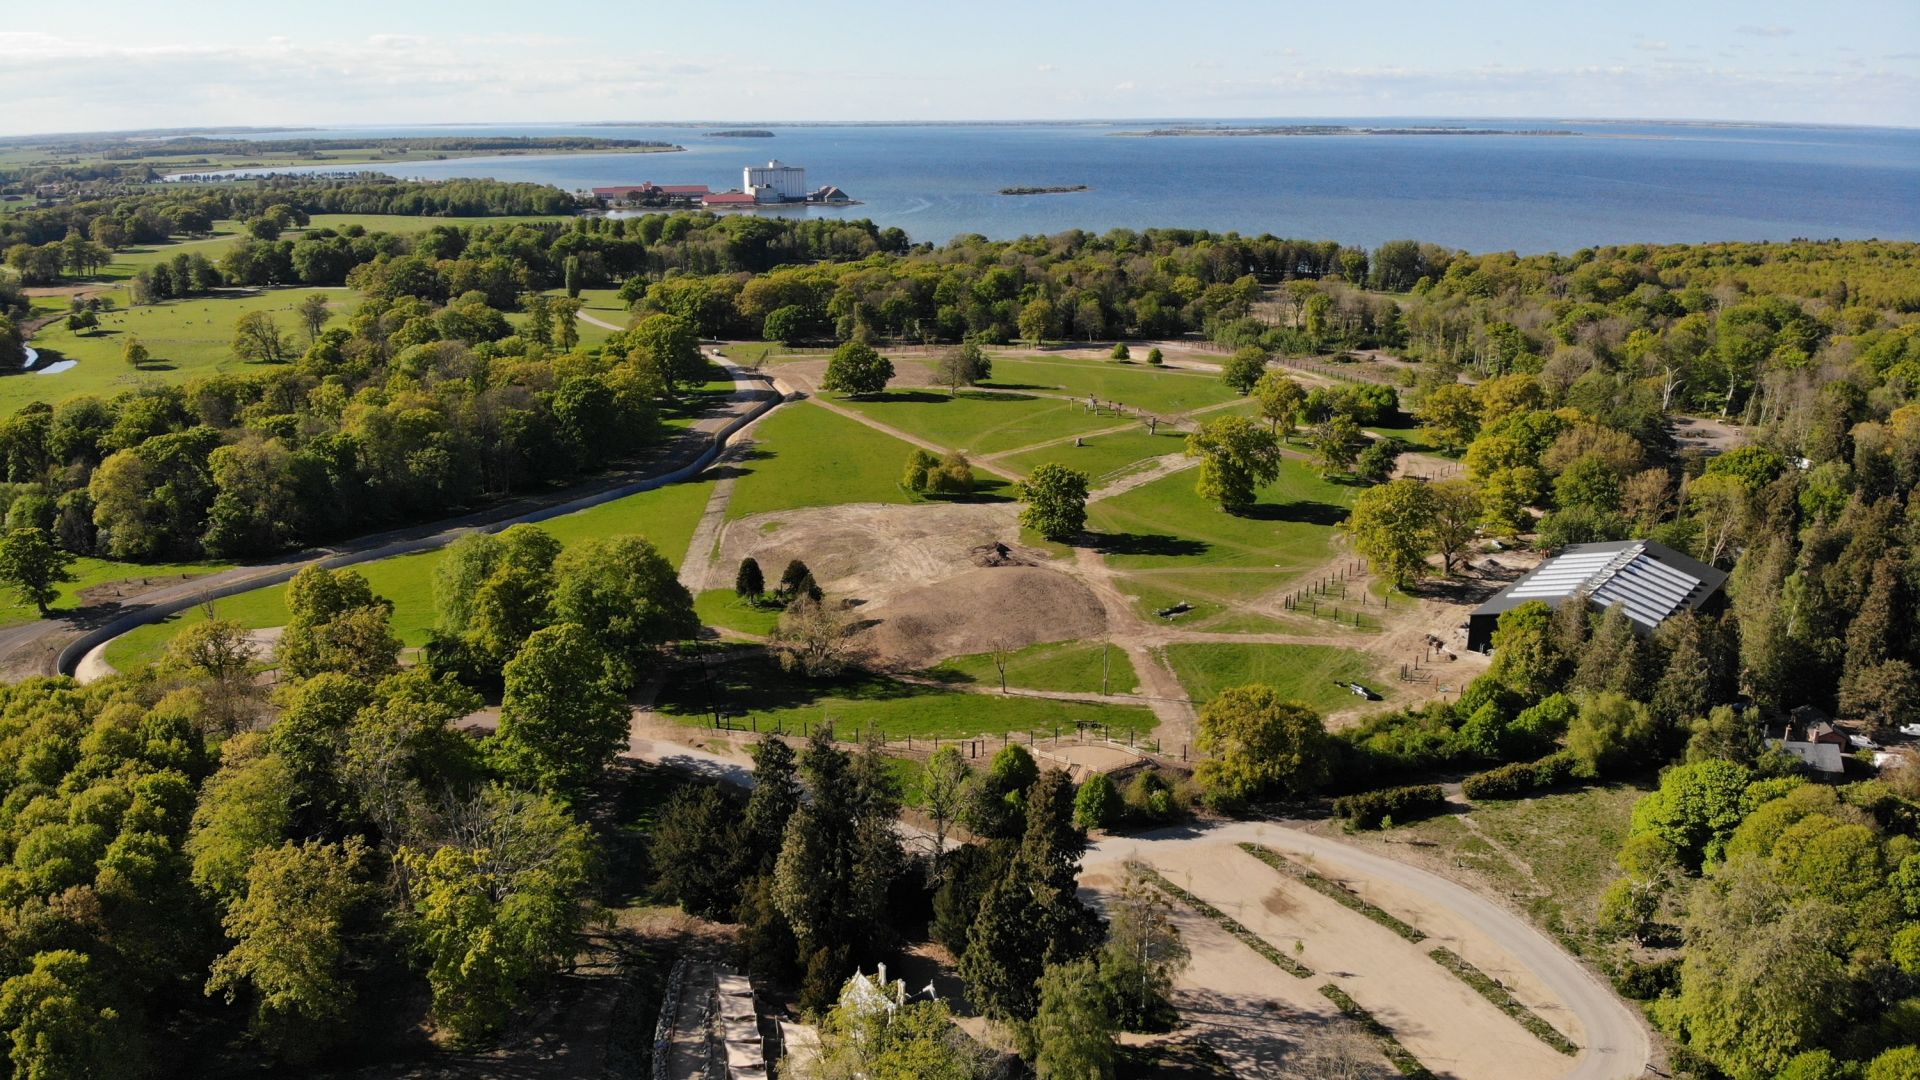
x: 1369, y: 809
x: 1520, y: 778
x: 1333, y: 890
x: 1231, y: 925
x: 1403, y: 1059
x: 1502, y: 999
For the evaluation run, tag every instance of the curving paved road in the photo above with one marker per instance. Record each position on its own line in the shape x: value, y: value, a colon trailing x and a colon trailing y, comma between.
x: 83, y: 656
x: 1614, y: 1043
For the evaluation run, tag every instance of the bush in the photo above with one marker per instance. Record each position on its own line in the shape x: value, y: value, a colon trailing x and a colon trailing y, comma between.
x: 1645, y: 982
x: 1369, y: 809
x: 1097, y: 805
x: 1520, y: 778
x: 1150, y: 799
x: 1154, y: 357
x: 1120, y: 352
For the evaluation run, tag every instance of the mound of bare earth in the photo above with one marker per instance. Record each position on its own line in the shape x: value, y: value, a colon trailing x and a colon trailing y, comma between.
x: 989, y: 608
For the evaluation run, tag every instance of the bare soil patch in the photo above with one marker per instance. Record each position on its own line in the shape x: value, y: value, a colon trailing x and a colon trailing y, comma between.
x: 908, y: 372
x: 1000, y: 607
x: 931, y: 580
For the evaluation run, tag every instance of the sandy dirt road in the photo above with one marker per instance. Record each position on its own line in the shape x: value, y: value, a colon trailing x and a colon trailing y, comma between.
x: 1438, y: 1018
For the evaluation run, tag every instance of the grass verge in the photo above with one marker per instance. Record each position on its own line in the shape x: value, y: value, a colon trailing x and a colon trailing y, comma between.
x: 1334, y: 891
x: 1068, y: 666
x: 1402, y: 1058
x: 1309, y: 673
x: 1231, y: 925
x: 1490, y: 988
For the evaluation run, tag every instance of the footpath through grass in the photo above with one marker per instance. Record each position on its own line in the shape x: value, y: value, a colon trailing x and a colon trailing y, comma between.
x: 1103, y: 457
x: 752, y: 692
x: 1134, y: 384
x: 981, y: 423
x: 667, y: 516
x: 1307, y: 673
x: 1066, y: 666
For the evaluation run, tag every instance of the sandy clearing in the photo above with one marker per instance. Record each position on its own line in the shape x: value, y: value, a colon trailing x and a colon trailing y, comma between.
x: 989, y: 608
x: 872, y: 551
x: 1260, y: 1020
x: 1439, y: 1019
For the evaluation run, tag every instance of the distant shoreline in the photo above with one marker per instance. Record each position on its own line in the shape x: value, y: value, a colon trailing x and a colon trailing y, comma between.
x: 1331, y: 129
x: 1059, y: 190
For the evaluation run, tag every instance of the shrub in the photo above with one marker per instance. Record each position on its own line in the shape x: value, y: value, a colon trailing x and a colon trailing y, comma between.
x: 1154, y: 357
x: 1120, y: 352
x: 1369, y: 809
x: 1647, y: 981
x: 1520, y: 778
x: 1098, y: 804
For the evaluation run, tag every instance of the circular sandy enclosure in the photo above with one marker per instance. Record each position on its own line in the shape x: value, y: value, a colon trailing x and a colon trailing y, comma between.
x: 931, y: 580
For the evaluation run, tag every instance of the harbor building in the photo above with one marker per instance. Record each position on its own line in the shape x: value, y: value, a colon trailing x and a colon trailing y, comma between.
x: 774, y: 182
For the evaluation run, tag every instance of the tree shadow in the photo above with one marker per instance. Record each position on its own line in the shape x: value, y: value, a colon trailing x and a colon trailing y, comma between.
x: 994, y: 385
x: 1146, y: 544
x: 1304, y: 513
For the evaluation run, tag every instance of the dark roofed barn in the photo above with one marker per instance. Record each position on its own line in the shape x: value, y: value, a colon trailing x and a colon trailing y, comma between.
x: 1651, y: 581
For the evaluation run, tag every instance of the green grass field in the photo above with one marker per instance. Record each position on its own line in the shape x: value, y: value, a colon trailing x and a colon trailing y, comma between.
x: 1555, y: 853
x: 187, y: 339
x: 1303, y: 672
x: 667, y: 516
x: 981, y: 423
x: 1102, y: 456
x: 1071, y: 666
x: 1167, y: 525
x: 720, y: 607
x: 89, y: 572
x: 804, y: 455
x: 765, y: 698
x: 1132, y: 384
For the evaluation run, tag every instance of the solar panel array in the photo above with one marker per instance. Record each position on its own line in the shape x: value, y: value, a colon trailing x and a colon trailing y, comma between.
x: 1649, y: 590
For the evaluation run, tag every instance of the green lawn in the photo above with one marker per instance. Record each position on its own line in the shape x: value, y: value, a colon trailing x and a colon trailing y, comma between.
x: 804, y: 455
x: 981, y: 423
x: 667, y: 516
x: 766, y: 698
x: 720, y: 607
x: 187, y: 339
x: 89, y: 572
x: 1303, y: 672
x: 1072, y: 666
x: 1167, y: 525
x: 1134, y: 384
x: 1102, y: 456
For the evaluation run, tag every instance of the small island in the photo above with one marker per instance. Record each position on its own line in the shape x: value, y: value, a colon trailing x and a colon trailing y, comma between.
x: 741, y: 133
x: 1043, y: 190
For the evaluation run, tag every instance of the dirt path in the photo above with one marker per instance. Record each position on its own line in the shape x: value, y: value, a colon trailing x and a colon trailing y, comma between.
x: 1163, y: 466
x: 1131, y: 633
x: 805, y: 384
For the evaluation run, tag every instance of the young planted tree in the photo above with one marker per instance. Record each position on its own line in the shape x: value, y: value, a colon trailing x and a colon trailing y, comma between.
x: 1154, y: 357
x: 134, y: 353
x: 1144, y: 952
x: 1054, y: 502
x: 748, y: 582
x: 32, y: 568
x: 856, y: 369
x: 1120, y: 352
x: 1236, y: 458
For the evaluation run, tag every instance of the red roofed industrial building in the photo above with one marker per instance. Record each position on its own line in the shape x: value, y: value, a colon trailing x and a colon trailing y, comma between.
x: 729, y: 198
x: 687, y: 192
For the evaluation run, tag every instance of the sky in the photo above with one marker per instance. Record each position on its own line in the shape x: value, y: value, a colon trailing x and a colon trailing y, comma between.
x: 114, y: 65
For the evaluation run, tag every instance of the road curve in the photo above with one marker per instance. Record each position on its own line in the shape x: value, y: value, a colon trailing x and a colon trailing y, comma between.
x: 753, y: 395
x: 1615, y: 1044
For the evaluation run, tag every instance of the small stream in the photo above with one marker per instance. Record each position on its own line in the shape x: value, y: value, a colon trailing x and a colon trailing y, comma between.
x: 33, y: 358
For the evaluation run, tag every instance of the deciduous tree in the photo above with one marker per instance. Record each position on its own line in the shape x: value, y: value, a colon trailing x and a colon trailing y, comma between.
x: 562, y: 716
x: 32, y: 567
x: 1054, y: 502
x: 1259, y: 744
x: 1236, y: 458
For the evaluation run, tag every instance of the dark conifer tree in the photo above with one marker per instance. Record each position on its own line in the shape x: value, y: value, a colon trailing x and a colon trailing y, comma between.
x: 748, y: 582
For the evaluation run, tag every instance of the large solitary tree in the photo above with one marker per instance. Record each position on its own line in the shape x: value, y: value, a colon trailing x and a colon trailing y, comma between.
x: 1258, y: 743
x: 1392, y: 526
x: 1054, y: 502
x: 855, y: 369
x: 1236, y: 457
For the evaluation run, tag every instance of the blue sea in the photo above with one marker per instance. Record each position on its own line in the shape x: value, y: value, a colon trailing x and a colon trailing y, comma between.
x: 1613, y: 182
